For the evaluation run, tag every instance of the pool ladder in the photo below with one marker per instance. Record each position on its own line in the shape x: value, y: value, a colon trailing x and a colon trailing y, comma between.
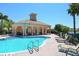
x: 33, y: 46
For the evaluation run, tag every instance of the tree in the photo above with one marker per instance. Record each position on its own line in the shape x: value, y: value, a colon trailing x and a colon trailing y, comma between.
x: 61, y: 29
x: 77, y: 30
x: 8, y: 25
x: 5, y: 23
x: 58, y: 27
x: 1, y: 23
x: 54, y: 31
x: 73, y: 11
x: 66, y: 29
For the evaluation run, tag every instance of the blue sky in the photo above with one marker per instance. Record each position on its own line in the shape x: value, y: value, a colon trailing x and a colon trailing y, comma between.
x: 50, y: 13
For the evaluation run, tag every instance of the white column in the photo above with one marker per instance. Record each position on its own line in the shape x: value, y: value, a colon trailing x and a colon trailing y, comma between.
x: 42, y: 31
x: 46, y: 30
x: 38, y: 29
x: 32, y: 30
x: 14, y: 30
x: 23, y: 30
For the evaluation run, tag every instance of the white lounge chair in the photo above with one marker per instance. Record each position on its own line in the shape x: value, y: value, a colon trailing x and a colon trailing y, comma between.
x: 60, y: 40
x: 74, y: 50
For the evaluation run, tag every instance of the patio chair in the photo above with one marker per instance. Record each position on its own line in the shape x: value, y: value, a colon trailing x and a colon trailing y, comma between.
x: 72, y: 50
x: 62, y: 47
x: 60, y: 40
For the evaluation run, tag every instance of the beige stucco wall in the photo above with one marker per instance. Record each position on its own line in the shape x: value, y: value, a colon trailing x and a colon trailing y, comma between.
x: 37, y: 26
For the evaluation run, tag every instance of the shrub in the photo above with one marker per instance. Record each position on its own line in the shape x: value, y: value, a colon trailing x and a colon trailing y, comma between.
x: 72, y: 40
x: 54, y: 31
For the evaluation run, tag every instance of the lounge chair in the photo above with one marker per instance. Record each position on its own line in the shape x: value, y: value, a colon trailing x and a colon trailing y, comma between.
x: 62, y: 47
x: 60, y: 40
x: 72, y: 50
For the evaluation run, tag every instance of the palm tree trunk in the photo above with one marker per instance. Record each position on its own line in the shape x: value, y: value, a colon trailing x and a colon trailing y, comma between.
x: 74, y: 25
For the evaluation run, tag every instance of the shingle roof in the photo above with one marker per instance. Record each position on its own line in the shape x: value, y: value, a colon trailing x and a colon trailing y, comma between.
x: 32, y: 22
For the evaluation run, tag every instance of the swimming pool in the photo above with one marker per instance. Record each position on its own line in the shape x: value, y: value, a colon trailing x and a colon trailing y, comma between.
x: 15, y: 44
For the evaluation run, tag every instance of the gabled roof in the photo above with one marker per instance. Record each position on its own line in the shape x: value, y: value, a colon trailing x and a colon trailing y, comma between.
x: 32, y: 22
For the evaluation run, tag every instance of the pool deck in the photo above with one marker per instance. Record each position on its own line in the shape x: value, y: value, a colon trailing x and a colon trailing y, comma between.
x: 4, y: 37
x: 48, y: 49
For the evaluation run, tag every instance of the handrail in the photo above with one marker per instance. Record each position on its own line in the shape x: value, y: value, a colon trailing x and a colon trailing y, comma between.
x: 36, y: 46
x: 32, y: 46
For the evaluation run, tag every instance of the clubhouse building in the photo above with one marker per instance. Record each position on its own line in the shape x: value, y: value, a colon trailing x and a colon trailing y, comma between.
x: 30, y: 27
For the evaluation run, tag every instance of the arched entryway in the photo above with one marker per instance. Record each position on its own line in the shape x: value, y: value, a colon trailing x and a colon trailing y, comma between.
x: 19, y: 30
x: 44, y: 30
x: 34, y: 31
x: 48, y: 30
x: 29, y: 31
x: 40, y: 30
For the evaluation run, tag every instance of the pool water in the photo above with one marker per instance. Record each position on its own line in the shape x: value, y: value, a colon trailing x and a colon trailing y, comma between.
x: 15, y: 44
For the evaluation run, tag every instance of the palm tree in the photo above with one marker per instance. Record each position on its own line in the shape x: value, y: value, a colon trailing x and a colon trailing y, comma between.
x: 5, y: 22
x: 1, y: 23
x: 73, y: 11
x: 4, y: 18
